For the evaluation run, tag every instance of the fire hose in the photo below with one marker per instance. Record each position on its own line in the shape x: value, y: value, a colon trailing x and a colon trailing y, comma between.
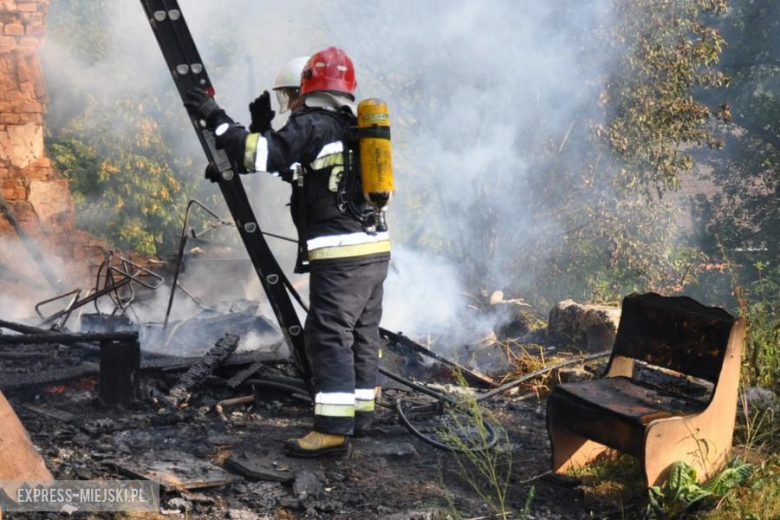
x: 490, y: 432
x: 443, y: 400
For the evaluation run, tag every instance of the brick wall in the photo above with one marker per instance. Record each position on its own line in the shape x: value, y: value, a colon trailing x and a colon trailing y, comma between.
x: 36, y: 194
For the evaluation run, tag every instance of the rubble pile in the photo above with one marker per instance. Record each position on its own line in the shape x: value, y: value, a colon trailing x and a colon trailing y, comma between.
x: 208, y: 466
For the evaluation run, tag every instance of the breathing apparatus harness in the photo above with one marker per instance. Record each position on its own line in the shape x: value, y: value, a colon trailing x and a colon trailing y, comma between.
x: 350, y: 196
x: 366, y: 183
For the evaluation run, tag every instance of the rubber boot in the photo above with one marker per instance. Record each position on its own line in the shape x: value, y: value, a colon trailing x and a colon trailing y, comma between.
x: 316, y: 444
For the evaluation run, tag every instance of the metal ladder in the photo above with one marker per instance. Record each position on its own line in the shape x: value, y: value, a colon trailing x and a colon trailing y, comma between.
x: 187, y: 70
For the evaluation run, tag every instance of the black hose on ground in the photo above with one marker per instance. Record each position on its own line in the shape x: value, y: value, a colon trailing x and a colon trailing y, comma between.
x: 296, y: 388
x: 488, y: 395
x: 490, y: 430
x: 443, y: 397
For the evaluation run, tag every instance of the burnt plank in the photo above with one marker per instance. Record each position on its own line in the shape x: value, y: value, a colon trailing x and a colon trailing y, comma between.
x: 27, y: 329
x: 203, y: 368
x: 180, y: 363
x: 259, y: 468
x: 243, y: 375
x: 174, y: 470
x: 120, y: 368
x: 66, y: 338
x: 51, y: 376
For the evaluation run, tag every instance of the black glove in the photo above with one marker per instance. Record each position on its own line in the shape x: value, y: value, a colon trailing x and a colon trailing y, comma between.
x: 212, y: 173
x: 203, y: 106
x: 261, y: 112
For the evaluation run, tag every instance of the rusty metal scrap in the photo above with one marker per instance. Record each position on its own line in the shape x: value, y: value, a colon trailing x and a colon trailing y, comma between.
x: 130, y: 273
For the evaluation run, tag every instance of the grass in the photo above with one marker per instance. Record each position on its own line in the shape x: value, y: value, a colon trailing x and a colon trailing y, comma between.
x: 759, y: 499
x: 757, y: 429
x: 525, y: 359
x: 613, y: 483
x: 486, y: 470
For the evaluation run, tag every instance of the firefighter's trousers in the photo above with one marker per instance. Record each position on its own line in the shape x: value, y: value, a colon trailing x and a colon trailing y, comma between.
x: 342, y: 341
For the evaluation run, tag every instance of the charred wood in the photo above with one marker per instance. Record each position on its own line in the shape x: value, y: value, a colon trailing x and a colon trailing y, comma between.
x: 181, y: 363
x: 67, y: 338
x: 403, y: 346
x: 198, y: 372
x: 26, y: 329
x: 120, y: 371
x: 243, y: 375
x: 52, y: 376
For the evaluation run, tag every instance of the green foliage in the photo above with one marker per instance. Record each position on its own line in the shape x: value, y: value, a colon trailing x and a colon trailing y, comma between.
x: 120, y: 142
x: 122, y: 173
x: 759, y: 303
x: 744, y: 213
x: 758, y: 499
x: 90, y: 18
x: 615, y: 480
x: 620, y: 234
x: 651, y: 97
x: 762, y: 347
x: 682, y: 493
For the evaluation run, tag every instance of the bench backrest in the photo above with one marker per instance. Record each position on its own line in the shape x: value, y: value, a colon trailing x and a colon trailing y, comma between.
x: 674, y: 332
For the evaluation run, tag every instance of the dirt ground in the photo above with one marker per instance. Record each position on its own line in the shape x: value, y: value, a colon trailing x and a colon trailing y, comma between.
x: 390, y: 474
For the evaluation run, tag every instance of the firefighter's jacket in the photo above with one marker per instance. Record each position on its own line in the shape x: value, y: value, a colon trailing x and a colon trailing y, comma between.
x: 309, y: 152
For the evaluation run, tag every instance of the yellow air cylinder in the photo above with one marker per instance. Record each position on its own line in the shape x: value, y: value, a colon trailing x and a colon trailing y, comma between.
x: 376, y: 164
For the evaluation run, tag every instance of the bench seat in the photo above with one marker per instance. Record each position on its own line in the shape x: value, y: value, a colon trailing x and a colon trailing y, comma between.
x: 659, y: 424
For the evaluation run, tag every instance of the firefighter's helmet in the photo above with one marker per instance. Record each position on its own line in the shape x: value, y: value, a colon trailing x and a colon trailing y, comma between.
x: 289, y: 76
x: 288, y: 83
x: 330, y: 70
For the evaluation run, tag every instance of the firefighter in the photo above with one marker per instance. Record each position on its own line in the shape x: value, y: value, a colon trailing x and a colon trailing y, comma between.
x: 339, y: 244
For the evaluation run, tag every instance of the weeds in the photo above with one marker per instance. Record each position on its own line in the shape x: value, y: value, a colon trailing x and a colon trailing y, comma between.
x: 758, y: 499
x: 682, y: 493
x: 757, y: 430
x: 613, y: 481
x: 759, y: 303
x: 487, y: 471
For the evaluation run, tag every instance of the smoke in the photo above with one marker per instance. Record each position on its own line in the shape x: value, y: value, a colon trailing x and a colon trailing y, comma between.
x: 474, y: 89
x: 408, y: 303
x: 22, y: 283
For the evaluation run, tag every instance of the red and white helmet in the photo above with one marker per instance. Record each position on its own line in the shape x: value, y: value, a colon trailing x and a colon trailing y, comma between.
x: 331, y: 70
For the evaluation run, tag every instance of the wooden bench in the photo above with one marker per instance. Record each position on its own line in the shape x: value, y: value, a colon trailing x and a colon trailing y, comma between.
x: 655, y: 423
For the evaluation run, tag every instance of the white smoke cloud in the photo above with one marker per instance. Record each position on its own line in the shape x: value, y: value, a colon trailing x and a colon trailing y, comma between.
x: 473, y: 88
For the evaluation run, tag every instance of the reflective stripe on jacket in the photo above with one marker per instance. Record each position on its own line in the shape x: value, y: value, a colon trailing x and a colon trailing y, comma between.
x: 312, y: 137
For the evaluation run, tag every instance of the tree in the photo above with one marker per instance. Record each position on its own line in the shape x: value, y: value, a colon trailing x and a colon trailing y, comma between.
x: 119, y: 138
x: 745, y: 214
